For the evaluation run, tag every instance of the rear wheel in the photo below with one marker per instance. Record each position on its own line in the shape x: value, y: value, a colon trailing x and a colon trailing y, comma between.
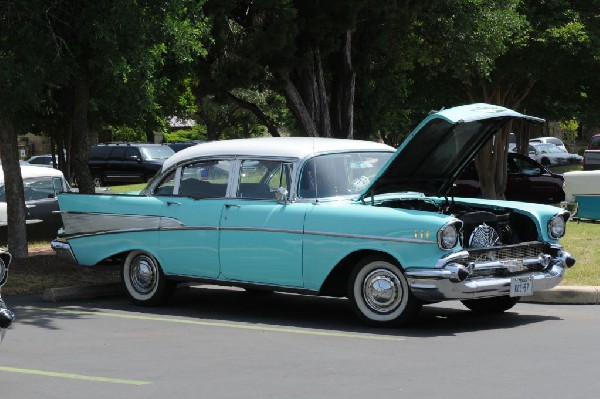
x: 379, y: 293
x: 491, y: 305
x: 144, y: 279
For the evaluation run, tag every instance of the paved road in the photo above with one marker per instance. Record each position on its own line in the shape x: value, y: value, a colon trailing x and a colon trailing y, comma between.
x: 219, y: 343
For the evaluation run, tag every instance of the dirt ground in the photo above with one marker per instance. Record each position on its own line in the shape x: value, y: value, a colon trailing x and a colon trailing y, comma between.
x: 42, y: 270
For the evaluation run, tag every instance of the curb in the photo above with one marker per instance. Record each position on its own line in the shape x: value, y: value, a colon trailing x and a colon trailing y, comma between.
x: 563, y: 295
x: 566, y: 295
x: 83, y: 292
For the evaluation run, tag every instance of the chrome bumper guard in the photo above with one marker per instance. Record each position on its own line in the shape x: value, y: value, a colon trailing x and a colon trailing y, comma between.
x: 63, y: 250
x: 455, y: 278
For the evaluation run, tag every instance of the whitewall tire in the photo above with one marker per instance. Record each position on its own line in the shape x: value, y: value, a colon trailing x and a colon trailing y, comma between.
x: 379, y: 293
x: 144, y: 280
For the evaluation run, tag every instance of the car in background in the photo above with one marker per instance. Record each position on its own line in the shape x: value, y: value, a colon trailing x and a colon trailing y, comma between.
x: 591, y: 155
x: 43, y: 160
x: 512, y: 142
x: 594, y: 143
x: 550, y: 155
x: 180, y: 145
x: 549, y: 140
x: 41, y: 186
x: 6, y: 315
x: 329, y: 217
x: 124, y: 163
x: 582, y: 194
x: 527, y: 180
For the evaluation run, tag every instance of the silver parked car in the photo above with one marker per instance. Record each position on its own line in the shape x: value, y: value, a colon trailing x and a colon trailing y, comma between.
x: 550, y: 155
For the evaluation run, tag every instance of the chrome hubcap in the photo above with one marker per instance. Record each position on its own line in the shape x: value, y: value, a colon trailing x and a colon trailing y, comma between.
x: 382, y: 291
x: 143, y: 274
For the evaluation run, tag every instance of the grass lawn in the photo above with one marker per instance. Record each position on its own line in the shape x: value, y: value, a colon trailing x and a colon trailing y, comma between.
x: 125, y: 188
x: 582, y: 241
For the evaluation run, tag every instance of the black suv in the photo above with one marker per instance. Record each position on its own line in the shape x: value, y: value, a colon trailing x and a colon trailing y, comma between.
x: 126, y: 162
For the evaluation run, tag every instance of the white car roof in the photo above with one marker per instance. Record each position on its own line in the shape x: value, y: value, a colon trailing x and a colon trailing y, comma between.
x: 287, y: 147
x: 35, y: 171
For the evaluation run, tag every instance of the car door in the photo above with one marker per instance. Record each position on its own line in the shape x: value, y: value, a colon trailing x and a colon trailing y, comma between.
x: 261, y: 233
x: 193, y: 197
x: 42, y: 205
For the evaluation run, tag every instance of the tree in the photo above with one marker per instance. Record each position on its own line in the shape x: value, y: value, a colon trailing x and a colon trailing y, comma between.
x: 300, y: 49
x: 27, y: 54
x: 115, y: 57
x: 520, y: 54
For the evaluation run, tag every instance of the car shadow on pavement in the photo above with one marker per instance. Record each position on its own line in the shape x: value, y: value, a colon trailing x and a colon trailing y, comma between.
x: 234, y: 305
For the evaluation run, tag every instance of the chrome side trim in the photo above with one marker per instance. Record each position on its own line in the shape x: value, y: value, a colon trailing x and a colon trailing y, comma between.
x: 369, y: 237
x: 79, y: 223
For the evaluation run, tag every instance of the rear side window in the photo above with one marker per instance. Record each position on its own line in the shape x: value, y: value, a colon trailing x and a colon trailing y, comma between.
x: 117, y: 154
x: 99, y: 153
x: 206, y: 179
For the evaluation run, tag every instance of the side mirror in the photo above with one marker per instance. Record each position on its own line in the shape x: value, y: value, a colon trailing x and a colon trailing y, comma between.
x: 282, y: 195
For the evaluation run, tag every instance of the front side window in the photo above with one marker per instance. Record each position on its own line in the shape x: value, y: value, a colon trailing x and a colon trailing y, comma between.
x: 336, y: 175
x: 262, y: 179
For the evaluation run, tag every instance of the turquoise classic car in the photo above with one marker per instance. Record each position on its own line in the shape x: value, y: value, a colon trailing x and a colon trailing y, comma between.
x: 6, y: 316
x: 330, y: 217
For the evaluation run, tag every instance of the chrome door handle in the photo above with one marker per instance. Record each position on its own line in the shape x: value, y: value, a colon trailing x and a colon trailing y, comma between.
x: 169, y: 203
x: 232, y: 205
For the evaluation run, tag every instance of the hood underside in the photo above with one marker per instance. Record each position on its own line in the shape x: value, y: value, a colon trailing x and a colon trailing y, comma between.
x: 435, y: 153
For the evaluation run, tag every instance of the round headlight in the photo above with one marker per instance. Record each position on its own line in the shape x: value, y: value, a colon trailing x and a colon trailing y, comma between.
x: 557, y: 226
x: 448, y: 236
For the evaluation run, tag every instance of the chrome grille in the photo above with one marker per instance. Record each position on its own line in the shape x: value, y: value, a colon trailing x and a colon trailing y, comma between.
x: 520, y: 251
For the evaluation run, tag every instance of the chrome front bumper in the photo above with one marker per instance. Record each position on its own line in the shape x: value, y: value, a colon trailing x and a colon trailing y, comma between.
x: 454, y: 280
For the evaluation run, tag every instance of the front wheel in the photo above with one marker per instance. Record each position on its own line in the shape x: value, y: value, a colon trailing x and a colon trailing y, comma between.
x: 144, y: 280
x: 379, y: 293
x: 491, y: 305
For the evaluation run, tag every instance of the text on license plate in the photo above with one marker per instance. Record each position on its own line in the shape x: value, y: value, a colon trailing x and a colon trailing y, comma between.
x: 521, y: 286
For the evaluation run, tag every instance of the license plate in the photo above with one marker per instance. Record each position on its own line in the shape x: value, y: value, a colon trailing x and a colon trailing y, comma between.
x: 521, y: 286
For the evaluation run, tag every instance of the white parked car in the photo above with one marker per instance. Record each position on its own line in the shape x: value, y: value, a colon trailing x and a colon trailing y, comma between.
x: 549, y: 140
x: 582, y: 194
x: 551, y: 155
x: 41, y: 186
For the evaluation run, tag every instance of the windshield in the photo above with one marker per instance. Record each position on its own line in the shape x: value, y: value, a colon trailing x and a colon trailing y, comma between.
x: 554, y: 141
x: 158, y: 152
x: 335, y: 175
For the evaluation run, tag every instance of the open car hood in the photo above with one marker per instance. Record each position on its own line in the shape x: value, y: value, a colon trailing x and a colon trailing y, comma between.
x: 434, y: 154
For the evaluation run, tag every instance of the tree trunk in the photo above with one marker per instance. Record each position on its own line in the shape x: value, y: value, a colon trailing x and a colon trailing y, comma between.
x: 344, y: 87
x: 491, y: 165
x: 15, y: 197
x: 306, y: 96
x: 298, y: 108
x: 80, y: 136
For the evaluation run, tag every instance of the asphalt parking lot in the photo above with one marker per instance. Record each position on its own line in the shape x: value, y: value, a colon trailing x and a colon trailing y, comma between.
x: 225, y: 343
